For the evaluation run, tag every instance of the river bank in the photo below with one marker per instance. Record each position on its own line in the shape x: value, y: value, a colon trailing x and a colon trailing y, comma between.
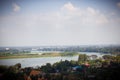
x: 18, y: 56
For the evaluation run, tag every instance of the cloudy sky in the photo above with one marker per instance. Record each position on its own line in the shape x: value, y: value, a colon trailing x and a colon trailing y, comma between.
x: 59, y: 22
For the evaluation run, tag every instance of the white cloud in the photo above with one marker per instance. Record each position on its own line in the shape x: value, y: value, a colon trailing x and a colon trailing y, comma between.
x: 69, y: 7
x: 118, y: 4
x: 16, y: 7
x: 62, y: 19
x: 102, y: 19
x: 85, y: 16
x: 91, y: 11
x: 71, y: 25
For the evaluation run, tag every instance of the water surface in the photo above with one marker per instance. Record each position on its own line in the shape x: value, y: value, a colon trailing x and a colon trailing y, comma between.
x: 33, y: 62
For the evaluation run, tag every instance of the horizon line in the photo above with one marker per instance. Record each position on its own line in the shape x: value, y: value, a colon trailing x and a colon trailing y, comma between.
x: 64, y: 45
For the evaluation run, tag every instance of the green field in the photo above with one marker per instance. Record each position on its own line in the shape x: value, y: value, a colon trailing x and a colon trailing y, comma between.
x: 35, y: 55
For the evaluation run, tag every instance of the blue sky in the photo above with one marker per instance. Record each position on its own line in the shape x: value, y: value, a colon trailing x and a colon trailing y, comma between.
x: 59, y: 22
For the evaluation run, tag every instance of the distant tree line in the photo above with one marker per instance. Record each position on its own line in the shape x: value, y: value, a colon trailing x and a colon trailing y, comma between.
x: 100, y: 49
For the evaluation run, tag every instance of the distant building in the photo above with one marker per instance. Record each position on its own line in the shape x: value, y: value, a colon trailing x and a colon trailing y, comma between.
x: 7, y: 48
x: 93, y: 57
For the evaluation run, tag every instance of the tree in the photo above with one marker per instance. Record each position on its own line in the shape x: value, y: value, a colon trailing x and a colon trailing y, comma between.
x: 82, y: 58
x: 47, y: 68
x: 107, y: 57
x: 18, y: 66
x: 94, y: 57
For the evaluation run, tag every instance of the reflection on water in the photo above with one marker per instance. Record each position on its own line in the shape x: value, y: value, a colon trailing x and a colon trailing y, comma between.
x: 32, y: 62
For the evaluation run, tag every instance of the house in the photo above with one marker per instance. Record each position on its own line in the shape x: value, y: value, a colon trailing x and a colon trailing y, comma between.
x: 76, y: 68
x: 34, y: 72
x: 86, y: 64
x: 93, y: 57
x: 33, y: 75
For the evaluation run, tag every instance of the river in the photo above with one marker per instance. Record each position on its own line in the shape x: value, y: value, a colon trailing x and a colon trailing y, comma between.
x: 33, y: 62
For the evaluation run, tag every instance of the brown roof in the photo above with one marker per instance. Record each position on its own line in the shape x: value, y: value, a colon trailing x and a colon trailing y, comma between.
x: 34, y: 72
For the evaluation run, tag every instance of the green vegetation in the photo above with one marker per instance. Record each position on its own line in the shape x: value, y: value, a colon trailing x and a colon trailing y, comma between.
x: 82, y: 58
x: 105, y: 68
x: 99, y: 69
x: 69, y: 54
x: 36, y: 55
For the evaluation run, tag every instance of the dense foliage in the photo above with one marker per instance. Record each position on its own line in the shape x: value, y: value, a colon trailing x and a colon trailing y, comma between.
x: 99, y: 69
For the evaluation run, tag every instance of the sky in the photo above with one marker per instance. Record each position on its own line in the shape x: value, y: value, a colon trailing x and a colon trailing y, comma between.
x: 59, y: 22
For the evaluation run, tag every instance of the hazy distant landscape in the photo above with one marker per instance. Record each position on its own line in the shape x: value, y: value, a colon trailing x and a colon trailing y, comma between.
x: 21, y: 55
x: 60, y: 62
x: 55, y: 51
x: 59, y: 39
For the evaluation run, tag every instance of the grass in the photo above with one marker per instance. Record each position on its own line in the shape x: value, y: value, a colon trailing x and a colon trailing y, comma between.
x: 17, y: 56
